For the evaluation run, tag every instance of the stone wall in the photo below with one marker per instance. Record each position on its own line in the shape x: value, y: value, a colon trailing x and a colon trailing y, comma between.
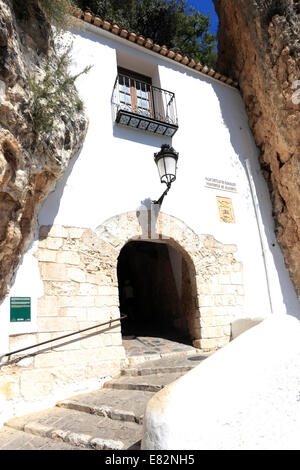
x: 79, y: 271
x: 77, y: 294
x: 216, y: 276
x: 78, y: 268
x: 74, y: 299
x: 220, y: 293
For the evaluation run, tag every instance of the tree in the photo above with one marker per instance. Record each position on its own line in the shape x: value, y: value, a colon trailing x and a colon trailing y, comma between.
x: 193, y: 37
x: 164, y: 21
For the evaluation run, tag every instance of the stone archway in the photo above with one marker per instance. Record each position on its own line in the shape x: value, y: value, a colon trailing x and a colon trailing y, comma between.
x: 83, y: 272
x: 216, y: 276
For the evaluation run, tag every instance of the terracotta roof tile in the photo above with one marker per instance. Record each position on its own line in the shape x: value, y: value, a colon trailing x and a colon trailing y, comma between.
x: 87, y: 16
x: 140, y: 40
x: 178, y: 57
x: 185, y: 60
x: 149, y: 44
x: 171, y: 54
x: 106, y: 25
x: 98, y: 21
x: 115, y: 29
x: 156, y: 47
x: 132, y: 36
x: 124, y: 33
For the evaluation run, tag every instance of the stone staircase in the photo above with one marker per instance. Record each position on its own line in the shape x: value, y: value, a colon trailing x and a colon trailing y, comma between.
x: 107, y: 419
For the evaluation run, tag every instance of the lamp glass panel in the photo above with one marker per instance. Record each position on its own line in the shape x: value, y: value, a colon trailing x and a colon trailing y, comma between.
x: 170, y: 165
x: 167, y: 168
x: 161, y: 167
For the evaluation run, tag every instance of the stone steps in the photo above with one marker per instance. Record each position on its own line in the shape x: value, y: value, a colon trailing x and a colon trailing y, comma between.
x: 148, y: 383
x: 170, y: 364
x: 122, y: 405
x: 13, y: 439
x: 79, y: 429
x: 106, y: 419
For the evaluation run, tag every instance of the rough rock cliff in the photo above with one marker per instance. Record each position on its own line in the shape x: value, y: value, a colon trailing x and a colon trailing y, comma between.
x: 259, y: 44
x: 29, y: 164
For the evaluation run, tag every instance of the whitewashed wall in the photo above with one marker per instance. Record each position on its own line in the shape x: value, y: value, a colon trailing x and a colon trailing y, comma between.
x: 115, y: 171
x: 240, y: 398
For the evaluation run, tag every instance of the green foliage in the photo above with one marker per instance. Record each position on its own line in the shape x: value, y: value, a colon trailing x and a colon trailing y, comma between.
x: 53, y: 94
x: 193, y: 37
x: 57, y: 12
x: 164, y: 21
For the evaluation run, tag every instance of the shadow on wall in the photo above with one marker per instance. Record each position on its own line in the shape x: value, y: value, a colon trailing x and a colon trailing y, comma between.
x: 51, y: 205
x: 240, y: 134
x: 141, y: 137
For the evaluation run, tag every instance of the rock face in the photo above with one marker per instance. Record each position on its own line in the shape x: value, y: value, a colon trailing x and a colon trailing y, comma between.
x: 259, y: 45
x: 29, y: 164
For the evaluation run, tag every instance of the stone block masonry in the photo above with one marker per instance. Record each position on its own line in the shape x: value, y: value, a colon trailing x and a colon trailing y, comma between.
x: 78, y: 268
x: 74, y: 299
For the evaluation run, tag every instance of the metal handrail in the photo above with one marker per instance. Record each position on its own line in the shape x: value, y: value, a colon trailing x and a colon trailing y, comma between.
x: 61, y: 337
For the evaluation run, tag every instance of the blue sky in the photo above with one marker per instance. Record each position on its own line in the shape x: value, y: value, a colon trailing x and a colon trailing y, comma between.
x: 204, y: 6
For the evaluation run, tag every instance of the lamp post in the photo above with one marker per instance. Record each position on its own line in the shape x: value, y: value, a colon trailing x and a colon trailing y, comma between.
x: 166, y: 161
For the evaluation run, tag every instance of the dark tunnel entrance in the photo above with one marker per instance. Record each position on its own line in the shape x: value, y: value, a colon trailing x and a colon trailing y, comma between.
x: 154, y: 291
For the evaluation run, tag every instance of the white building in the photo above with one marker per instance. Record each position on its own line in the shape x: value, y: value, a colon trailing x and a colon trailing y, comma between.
x: 211, y: 256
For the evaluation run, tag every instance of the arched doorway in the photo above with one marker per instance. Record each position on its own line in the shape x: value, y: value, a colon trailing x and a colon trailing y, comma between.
x: 213, y: 295
x: 155, y: 291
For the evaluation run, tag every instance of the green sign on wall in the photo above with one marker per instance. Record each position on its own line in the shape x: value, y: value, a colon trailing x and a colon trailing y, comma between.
x: 20, y: 309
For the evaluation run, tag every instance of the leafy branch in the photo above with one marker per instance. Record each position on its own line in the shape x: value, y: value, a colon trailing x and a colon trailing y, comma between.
x: 53, y: 94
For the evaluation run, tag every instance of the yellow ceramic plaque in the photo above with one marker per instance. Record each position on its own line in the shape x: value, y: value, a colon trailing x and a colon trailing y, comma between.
x: 226, y: 213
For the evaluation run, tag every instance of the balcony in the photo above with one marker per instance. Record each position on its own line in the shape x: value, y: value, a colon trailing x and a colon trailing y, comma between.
x: 140, y: 105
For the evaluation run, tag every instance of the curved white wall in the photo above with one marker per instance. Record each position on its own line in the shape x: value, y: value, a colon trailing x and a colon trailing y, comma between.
x: 243, y: 397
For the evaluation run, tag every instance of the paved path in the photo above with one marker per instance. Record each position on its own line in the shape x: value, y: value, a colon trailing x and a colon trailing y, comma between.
x: 153, y: 347
x: 107, y: 419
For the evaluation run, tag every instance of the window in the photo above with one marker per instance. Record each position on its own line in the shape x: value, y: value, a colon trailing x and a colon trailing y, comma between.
x: 135, y: 93
x: 139, y: 104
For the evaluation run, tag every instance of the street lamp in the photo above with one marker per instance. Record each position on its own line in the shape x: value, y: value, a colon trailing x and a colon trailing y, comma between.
x: 166, y: 161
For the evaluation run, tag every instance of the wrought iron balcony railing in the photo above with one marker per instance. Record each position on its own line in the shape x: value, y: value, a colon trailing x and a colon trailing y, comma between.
x: 140, y: 105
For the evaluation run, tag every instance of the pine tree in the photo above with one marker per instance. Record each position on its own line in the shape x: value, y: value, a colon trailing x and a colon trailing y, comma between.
x: 164, y: 21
